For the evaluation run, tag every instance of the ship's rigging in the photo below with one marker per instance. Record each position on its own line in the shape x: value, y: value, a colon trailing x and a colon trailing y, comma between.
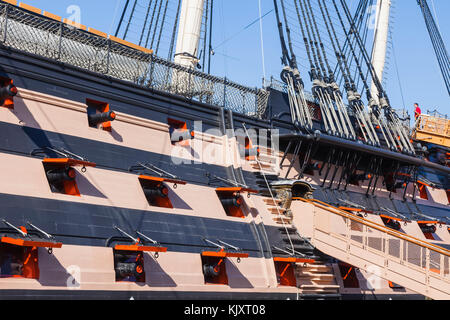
x: 374, y: 122
x: 337, y: 49
x: 345, y: 68
x: 353, y: 136
x: 334, y: 42
x: 438, y: 43
x: 154, y: 24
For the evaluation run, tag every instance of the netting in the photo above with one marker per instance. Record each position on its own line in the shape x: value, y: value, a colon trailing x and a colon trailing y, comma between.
x: 36, y: 34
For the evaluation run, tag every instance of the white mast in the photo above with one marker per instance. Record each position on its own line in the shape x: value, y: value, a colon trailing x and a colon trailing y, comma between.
x: 380, y: 41
x: 190, y: 24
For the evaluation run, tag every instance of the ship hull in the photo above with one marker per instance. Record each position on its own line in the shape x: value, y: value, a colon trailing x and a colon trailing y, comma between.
x: 50, y: 110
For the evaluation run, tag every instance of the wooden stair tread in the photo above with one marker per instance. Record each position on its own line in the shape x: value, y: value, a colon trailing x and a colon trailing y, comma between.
x: 316, y: 275
x: 272, y: 205
x: 270, y: 201
x: 266, y: 152
x: 317, y: 270
x: 262, y: 163
x: 313, y: 281
x: 268, y: 168
x: 311, y: 289
x: 282, y: 219
x: 319, y: 286
x: 266, y: 171
x: 316, y: 265
x: 267, y: 158
x: 320, y: 291
x: 276, y: 210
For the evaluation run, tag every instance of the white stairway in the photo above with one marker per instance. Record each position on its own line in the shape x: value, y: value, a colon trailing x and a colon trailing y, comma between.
x: 394, y: 256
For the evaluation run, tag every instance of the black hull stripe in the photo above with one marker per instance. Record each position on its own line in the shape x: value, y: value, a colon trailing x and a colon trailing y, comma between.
x: 374, y: 203
x: 187, y: 295
x: 92, y: 225
x: 25, y: 139
x: 121, y: 158
x: 139, y: 295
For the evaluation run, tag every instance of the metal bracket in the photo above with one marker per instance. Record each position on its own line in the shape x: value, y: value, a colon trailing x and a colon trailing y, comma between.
x: 223, y: 245
x: 293, y: 252
x: 215, y: 179
x: 24, y: 234
x: 49, y: 236
x: 126, y: 234
x: 62, y: 152
x: 148, y: 166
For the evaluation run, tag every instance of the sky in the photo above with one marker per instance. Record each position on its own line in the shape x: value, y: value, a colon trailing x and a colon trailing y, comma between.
x: 413, y: 74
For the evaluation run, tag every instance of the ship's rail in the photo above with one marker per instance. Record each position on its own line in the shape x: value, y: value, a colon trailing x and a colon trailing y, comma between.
x: 433, y: 130
x: 395, y: 256
x: 37, y: 34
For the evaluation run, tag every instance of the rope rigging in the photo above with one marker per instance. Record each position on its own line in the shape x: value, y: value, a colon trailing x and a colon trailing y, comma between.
x: 438, y: 43
x: 392, y: 118
x: 366, y: 58
x: 325, y: 90
x: 360, y: 19
x: 300, y: 113
x: 337, y: 53
x: 285, y: 56
x: 153, y: 24
x: 353, y: 96
x: 376, y: 125
x: 394, y: 127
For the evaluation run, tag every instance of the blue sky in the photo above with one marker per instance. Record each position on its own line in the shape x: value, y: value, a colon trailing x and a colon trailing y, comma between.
x: 240, y: 58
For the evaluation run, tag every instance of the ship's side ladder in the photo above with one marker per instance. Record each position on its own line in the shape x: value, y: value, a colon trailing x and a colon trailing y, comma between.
x: 415, y: 264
